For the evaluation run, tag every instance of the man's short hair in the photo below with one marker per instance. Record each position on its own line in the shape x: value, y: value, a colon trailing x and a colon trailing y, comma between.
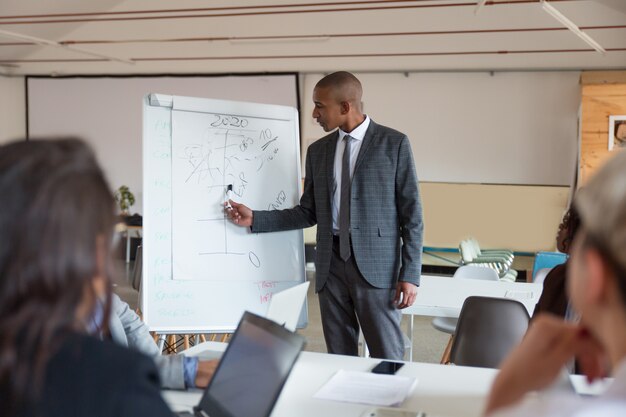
x: 338, y: 80
x: 344, y: 86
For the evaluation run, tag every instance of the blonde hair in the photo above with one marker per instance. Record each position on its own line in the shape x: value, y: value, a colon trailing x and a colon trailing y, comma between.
x: 602, y: 208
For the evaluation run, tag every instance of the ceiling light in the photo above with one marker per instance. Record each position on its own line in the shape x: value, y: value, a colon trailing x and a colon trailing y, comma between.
x: 479, y: 5
x: 571, y: 26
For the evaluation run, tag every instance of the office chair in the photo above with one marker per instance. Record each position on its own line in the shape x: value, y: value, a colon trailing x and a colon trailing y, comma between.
x: 488, y: 329
x: 540, y: 276
x: 547, y: 260
x: 448, y: 324
x: 500, y: 261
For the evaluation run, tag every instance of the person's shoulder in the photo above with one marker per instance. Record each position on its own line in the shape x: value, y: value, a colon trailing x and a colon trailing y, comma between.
x: 322, y: 142
x: 556, y: 276
x: 387, y: 132
x: 98, y: 378
x: 82, y: 356
x: 122, y: 356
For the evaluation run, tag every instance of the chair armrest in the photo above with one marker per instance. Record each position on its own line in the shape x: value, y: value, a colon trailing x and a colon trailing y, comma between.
x: 494, y: 259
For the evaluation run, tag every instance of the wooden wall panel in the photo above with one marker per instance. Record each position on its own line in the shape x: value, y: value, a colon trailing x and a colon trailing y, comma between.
x: 599, y: 101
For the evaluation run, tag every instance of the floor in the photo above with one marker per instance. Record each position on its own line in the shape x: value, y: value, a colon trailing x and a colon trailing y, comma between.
x: 428, y: 343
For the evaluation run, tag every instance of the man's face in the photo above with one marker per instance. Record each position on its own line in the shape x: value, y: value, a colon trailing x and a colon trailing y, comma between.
x: 327, y: 111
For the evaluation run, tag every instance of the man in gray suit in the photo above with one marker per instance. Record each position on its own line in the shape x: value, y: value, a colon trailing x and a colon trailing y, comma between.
x: 362, y: 192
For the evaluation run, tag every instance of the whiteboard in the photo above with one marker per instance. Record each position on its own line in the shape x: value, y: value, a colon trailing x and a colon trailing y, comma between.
x: 201, y: 272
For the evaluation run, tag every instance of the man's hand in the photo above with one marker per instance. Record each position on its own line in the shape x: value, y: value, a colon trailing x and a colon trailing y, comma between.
x: 547, y: 346
x: 408, y: 292
x: 206, y: 369
x: 238, y: 213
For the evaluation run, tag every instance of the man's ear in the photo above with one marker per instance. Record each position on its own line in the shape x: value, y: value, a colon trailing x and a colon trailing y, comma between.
x: 345, y: 107
x: 597, y: 277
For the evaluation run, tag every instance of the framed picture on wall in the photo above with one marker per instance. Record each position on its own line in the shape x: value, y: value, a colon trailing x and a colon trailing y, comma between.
x: 617, y: 132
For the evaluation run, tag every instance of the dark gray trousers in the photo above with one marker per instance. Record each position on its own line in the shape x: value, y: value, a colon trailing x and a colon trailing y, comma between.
x: 348, y: 300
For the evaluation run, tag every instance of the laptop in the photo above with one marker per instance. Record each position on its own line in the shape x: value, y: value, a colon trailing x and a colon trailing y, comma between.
x: 286, y: 306
x: 252, y: 371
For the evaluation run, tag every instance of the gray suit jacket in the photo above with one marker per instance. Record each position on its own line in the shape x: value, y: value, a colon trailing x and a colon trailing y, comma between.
x: 128, y: 330
x: 385, y: 212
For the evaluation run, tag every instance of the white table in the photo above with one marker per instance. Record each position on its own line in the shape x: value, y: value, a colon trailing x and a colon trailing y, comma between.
x: 441, y: 390
x: 444, y: 296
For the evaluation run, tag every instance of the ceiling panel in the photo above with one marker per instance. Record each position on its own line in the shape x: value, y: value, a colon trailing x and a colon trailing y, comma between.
x: 307, y: 36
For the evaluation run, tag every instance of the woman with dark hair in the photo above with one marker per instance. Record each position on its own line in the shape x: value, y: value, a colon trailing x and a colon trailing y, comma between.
x: 56, y: 229
x: 554, y: 297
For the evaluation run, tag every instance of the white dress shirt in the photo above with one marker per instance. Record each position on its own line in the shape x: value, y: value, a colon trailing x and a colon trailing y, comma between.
x: 610, y: 404
x: 355, y: 146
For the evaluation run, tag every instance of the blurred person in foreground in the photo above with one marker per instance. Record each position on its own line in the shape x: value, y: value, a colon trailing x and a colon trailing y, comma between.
x: 596, y: 286
x: 56, y: 230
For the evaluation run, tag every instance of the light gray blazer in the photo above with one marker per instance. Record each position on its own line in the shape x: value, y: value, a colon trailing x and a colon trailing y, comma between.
x: 385, y: 213
x: 128, y: 330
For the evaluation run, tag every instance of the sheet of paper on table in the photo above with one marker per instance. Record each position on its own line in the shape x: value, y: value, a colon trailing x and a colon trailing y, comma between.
x: 367, y: 388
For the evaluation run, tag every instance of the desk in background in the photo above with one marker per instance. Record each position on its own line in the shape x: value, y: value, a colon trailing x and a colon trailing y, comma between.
x: 444, y: 296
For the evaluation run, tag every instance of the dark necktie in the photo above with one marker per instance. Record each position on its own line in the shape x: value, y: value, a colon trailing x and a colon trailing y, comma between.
x: 344, y: 203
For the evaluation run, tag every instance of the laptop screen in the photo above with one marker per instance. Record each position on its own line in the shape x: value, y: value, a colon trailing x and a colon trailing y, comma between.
x: 286, y: 306
x: 253, y: 370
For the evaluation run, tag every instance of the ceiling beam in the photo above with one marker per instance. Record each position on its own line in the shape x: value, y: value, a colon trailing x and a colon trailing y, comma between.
x: 54, y: 44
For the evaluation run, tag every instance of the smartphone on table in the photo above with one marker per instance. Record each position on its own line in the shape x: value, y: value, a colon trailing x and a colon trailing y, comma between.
x: 387, y: 367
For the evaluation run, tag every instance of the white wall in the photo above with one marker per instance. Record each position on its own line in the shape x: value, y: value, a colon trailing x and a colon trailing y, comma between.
x: 512, y: 129
x: 422, y: 103
x: 107, y: 112
x: 12, y: 108
x: 505, y: 128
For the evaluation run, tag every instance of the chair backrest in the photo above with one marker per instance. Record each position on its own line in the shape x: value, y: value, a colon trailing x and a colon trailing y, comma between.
x: 476, y: 272
x: 487, y: 330
x: 467, y: 252
x: 540, y: 276
x: 137, y: 270
x: 547, y: 260
x: 475, y: 246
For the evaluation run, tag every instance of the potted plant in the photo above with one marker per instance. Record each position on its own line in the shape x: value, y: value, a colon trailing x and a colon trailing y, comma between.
x: 125, y: 199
